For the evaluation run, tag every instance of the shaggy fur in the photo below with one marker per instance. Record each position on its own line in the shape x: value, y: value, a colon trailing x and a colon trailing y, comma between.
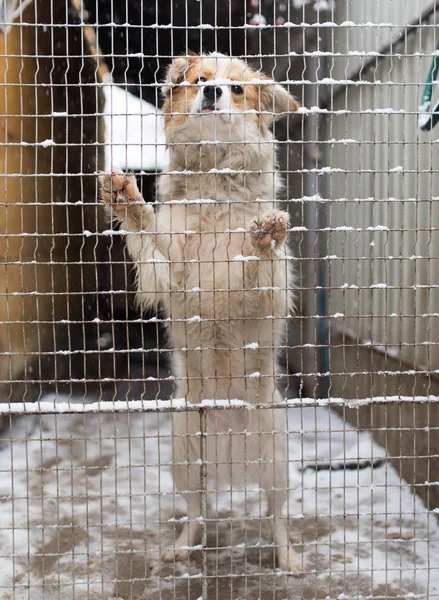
x: 213, y: 255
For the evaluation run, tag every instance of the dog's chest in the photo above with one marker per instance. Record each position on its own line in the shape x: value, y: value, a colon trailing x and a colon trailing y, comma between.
x: 210, y: 248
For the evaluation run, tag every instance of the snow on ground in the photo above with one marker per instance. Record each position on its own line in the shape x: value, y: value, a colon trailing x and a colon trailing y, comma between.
x: 88, y: 505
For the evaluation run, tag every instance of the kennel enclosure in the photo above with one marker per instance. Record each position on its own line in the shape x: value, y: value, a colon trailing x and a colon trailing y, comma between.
x: 88, y: 502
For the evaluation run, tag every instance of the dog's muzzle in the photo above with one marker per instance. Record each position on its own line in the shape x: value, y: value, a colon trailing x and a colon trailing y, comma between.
x: 211, y: 95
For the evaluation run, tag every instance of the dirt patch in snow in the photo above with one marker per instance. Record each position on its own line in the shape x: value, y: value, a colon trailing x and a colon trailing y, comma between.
x: 88, y: 506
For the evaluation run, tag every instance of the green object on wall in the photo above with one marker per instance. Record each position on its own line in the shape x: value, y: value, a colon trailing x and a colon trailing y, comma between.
x: 427, y: 118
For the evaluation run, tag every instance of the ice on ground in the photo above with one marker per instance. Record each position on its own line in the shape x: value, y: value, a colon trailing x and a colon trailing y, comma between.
x: 88, y: 505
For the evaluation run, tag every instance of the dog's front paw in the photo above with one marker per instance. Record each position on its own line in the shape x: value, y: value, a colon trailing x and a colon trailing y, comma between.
x: 270, y: 228
x: 119, y: 189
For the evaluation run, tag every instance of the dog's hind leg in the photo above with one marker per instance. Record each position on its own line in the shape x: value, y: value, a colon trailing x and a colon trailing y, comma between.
x: 275, y: 483
x: 186, y: 471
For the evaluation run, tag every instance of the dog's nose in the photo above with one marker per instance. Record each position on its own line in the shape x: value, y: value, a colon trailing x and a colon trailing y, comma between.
x: 212, y: 92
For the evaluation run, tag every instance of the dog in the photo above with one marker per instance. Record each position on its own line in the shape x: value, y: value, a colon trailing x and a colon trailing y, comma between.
x: 214, y: 255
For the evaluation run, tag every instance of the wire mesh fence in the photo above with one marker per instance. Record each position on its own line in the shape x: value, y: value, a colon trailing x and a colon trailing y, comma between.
x: 218, y: 300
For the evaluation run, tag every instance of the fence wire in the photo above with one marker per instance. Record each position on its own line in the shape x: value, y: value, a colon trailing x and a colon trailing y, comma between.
x: 224, y: 383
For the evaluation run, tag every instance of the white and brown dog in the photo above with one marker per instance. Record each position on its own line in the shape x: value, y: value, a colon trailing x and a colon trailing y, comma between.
x: 214, y: 255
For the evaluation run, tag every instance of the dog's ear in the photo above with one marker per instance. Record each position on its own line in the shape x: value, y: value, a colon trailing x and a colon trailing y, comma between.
x: 176, y: 71
x: 277, y: 102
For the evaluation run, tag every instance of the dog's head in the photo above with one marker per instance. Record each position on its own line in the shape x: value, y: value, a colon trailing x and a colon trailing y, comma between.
x: 216, y: 97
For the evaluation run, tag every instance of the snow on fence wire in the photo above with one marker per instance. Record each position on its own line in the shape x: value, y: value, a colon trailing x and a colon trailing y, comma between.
x: 98, y: 423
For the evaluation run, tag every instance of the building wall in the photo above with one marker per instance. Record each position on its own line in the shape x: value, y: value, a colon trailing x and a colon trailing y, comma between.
x: 381, y: 211
x: 383, y: 216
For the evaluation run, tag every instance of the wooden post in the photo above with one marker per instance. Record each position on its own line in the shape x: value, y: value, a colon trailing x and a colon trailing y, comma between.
x: 49, y: 125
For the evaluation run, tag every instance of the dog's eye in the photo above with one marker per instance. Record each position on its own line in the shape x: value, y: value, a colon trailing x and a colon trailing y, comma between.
x: 237, y: 89
x: 200, y: 80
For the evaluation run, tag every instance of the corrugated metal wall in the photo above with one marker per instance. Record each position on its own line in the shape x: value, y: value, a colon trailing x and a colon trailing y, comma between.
x: 383, y: 185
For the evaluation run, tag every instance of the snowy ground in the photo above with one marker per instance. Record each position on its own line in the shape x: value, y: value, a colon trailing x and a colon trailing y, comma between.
x: 89, y: 506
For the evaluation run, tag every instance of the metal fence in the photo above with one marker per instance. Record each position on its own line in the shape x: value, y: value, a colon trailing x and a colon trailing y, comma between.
x: 296, y: 447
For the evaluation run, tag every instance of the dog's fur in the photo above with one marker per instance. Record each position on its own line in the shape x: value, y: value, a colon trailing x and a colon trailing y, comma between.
x: 214, y: 255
